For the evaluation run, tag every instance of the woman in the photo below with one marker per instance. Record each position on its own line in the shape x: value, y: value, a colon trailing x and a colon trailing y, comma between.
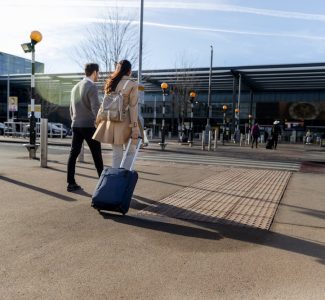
x: 255, y: 134
x: 118, y: 133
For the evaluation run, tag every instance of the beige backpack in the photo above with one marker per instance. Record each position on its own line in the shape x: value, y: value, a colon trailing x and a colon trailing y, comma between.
x: 112, y: 106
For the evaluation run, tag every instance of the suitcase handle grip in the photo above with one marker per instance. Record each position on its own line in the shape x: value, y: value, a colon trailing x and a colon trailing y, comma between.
x: 127, y: 151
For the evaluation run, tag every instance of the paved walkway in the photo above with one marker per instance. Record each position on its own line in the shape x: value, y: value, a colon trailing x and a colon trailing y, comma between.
x: 54, y: 245
x: 234, y: 196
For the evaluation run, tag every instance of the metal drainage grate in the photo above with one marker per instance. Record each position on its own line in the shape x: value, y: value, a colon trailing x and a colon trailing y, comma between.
x: 237, y: 196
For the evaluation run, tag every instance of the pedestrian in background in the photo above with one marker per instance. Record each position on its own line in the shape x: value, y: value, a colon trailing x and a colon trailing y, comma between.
x: 275, y: 132
x: 84, y: 106
x: 118, y: 133
x: 255, y: 132
x: 308, y: 137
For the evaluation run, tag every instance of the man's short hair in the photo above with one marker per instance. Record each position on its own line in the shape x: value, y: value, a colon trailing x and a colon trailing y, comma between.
x: 90, y: 68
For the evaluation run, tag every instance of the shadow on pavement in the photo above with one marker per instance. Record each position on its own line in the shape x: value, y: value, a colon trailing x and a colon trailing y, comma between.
x: 231, y: 231
x: 163, y: 226
x: 307, y: 211
x: 80, y: 165
x: 82, y: 193
x: 77, y: 174
x: 37, y: 189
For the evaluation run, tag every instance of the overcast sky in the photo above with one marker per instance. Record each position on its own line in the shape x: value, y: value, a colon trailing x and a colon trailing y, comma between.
x: 242, y: 32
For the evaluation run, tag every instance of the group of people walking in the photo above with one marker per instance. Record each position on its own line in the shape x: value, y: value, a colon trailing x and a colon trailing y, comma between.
x: 271, y: 141
x: 90, y: 121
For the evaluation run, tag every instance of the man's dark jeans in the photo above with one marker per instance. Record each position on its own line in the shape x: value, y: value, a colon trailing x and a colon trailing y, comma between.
x: 79, y: 135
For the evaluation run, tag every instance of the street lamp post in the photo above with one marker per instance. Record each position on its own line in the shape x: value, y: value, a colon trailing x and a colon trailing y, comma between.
x: 237, y: 118
x: 140, y: 85
x: 140, y: 42
x: 35, y: 37
x: 224, y: 107
x: 237, y: 133
x: 250, y: 117
x: 164, y: 87
x: 190, y: 137
x: 208, y: 127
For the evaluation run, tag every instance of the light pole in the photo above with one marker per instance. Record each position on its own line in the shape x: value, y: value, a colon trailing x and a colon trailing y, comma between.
x: 250, y: 117
x: 237, y: 118
x: 238, y: 104
x: 237, y: 133
x: 164, y: 87
x: 140, y: 85
x: 35, y: 37
x: 224, y: 107
x: 208, y: 127
x: 190, y: 137
x: 140, y: 42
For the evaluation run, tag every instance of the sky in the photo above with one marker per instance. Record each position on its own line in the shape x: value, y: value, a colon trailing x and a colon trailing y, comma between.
x: 242, y: 32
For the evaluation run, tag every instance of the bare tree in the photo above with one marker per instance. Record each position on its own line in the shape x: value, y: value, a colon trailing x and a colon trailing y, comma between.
x: 183, y: 84
x: 111, y: 38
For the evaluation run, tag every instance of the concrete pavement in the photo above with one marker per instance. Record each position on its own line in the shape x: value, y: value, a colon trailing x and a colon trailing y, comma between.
x: 55, y: 246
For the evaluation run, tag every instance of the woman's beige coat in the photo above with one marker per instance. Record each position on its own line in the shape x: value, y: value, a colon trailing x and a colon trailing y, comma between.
x: 118, y: 133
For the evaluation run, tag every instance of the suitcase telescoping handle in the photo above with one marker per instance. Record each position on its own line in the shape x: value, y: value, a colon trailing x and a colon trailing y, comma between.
x: 135, y: 154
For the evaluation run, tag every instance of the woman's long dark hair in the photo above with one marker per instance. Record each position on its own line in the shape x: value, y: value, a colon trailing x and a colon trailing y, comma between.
x: 122, y: 69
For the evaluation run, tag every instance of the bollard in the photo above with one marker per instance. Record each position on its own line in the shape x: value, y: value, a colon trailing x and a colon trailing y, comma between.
x: 216, y: 133
x: 61, y: 131
x: 241, y: 139
x: 209, y: 140
x: 81, y: 157
x: 44, y: 143
x: 203, y: 142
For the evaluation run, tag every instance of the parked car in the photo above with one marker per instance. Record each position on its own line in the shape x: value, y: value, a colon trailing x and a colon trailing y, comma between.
x: 55, y: 129
x: 68, y: 129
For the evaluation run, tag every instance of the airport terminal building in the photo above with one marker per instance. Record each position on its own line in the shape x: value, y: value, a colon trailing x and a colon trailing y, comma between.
x: 293, y: 94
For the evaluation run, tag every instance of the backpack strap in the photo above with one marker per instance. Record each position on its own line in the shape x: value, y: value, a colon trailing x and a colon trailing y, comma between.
x: 125, y: 84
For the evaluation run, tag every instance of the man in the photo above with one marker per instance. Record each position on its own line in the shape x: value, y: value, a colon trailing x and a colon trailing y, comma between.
x: 276, y: 131
x: 83, y: 111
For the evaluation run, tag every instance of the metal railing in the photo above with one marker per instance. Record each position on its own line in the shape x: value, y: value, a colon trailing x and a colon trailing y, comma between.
x: 21, y: 129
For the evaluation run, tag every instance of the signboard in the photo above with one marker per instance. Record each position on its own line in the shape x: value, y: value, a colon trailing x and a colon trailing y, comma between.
x: 13, y: 104
x: 37, y: 111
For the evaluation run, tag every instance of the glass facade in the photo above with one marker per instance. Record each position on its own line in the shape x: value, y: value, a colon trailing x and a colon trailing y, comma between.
x: 10, y: 64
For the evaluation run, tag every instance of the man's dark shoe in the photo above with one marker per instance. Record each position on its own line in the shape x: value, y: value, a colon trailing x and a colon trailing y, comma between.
x: 72, y: 187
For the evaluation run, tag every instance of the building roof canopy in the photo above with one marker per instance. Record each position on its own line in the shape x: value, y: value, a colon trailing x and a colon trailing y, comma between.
x: 274, y: 78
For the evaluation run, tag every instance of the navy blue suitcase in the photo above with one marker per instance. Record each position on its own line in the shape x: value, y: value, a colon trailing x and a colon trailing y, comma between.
x: 115, y: 187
